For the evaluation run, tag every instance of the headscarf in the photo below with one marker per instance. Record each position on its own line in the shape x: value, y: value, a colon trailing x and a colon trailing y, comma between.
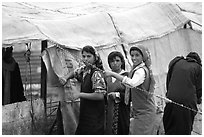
x: 147, y: 61
x: 93, y: 51
x: 195, y: 57
x: 146, y: 56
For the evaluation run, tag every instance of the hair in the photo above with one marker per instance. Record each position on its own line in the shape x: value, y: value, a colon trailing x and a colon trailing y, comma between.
x: 115, y: 54
x: 194, y: 56
x: 88, y: 49
x: 92, y: 50
x: 135, y: 48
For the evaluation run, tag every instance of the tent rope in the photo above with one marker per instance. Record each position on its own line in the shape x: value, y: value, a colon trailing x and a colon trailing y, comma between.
x: 153, y: 94
x: 27, y: 57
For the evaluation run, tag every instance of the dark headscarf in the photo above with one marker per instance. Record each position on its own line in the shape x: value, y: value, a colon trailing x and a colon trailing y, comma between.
x: 93, y: 51
x: 195, y: 57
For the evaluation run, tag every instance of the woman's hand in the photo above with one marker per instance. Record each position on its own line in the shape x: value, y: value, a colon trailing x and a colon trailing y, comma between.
x: 76, y: 95
x: 63, y: 80
x: 108, y: 73
x: 112, y: 95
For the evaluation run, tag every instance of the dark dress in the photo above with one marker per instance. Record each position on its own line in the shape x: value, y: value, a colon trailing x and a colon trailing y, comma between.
x: 184, y: 86
x: 92, y: 112
x: 118, y: 113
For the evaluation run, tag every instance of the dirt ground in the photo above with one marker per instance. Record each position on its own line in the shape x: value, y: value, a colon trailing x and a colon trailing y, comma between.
x: 197, y: 127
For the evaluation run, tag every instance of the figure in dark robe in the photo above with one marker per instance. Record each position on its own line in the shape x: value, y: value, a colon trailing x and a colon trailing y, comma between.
x: 12, y: 86
x: 184, y: 86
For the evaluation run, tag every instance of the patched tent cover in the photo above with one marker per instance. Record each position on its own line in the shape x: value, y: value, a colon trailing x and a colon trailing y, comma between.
x: 158, y: 26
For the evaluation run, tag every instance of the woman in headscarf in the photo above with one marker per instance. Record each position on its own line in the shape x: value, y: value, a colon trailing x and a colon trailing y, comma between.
x: 93, y: 89
x: 184, y: 86
x: 118, y: 113
x: 141, y: 85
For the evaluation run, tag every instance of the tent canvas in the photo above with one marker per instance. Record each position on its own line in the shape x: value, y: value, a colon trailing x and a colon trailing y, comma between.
x: 158, y: 26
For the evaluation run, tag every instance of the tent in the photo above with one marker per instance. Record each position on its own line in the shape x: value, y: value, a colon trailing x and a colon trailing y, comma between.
x: 166, y: 29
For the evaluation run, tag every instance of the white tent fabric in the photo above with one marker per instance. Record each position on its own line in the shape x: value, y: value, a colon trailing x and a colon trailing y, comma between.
x: 15, y: 30
x: 95, y: 29
x: 150, y: 21
x: 193, y: 7
x: 193, y: 11
x: 158, y: 26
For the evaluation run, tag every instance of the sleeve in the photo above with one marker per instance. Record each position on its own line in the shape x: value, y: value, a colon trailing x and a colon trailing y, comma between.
x: 199, y: 83
x: 122, y: 93
x: 167, y: 79
x: 170, y: 69
x: 98, y: 82
x: 78, y: 73
x: 137, y: 79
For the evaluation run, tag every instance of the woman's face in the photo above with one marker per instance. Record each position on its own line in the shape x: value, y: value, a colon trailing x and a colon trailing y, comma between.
x: 136, y: 57
x: 88, y: 58
x: 116, y: 64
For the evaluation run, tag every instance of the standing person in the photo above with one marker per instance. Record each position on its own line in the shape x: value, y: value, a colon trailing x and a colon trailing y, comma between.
x: 140, y: 83
x: 184, y: 86
x: 93, y: 89
x: 118, y: 113
x: 12, y: 86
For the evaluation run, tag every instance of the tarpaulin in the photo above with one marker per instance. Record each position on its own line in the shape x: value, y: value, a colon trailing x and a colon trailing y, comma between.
x: 59, y: 63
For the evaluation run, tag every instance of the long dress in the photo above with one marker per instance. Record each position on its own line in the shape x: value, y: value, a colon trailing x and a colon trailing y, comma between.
x: 144, y: 110
x: 118, y: 113
x: 92, y: 112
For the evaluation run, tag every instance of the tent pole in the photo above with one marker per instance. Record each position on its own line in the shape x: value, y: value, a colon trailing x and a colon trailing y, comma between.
x: 43, y: 93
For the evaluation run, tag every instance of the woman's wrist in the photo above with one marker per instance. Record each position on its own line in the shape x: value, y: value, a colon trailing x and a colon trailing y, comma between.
x: 80, y: 95
x: 66, y: 77
x: 113, y: 74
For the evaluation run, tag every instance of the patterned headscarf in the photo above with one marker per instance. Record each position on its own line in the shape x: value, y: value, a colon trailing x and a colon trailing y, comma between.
x: 93, y: 51
x: 147, y: 60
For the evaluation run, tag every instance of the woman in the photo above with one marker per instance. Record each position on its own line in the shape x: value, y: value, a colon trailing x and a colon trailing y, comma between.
x: 141, y: 84
x: 93, y: 89
x: 118, y: 113
x: 184, y: 86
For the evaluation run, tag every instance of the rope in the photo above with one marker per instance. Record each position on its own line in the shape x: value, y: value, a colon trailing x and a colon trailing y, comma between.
x: 153, y: 94
x: 31, y: 97
x: 27, y: 57
x: 170, y: 101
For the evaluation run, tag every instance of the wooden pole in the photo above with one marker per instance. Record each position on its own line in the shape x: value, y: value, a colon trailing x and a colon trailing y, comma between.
x: 43, y: 92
